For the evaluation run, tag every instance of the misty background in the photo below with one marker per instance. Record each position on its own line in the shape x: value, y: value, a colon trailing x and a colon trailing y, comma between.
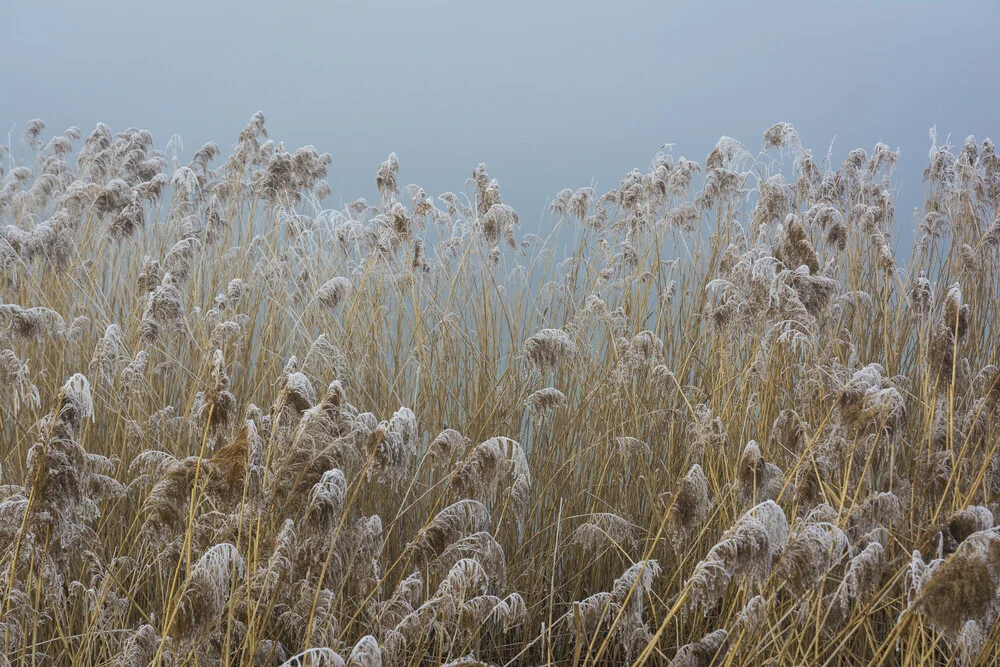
x: 547, y: 94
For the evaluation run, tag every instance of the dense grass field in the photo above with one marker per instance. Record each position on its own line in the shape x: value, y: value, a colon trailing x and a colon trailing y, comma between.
x: 713, y: 416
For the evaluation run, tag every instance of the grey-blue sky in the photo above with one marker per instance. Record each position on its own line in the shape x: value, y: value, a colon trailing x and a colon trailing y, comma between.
x: 548, y: 94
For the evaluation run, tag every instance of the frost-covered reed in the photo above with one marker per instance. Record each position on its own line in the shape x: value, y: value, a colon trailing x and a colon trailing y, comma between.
x: 737, y: 423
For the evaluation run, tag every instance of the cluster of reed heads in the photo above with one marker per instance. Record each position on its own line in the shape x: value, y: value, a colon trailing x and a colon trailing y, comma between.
x: 712, y: 417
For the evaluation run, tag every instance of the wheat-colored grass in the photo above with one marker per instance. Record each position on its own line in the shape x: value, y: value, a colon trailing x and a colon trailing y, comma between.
x: 734, y: 424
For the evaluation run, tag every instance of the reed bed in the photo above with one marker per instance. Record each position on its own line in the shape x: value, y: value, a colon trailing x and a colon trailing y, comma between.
x: 732, y: 424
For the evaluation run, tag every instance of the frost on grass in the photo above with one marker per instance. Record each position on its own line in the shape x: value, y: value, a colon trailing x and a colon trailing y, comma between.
x: 732, y: 420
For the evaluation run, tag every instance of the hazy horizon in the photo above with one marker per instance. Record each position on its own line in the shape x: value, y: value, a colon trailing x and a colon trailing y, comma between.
x: 552, y: 96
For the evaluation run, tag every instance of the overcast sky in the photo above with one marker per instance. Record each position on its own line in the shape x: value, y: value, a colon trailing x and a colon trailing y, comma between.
x: 548, y: 94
